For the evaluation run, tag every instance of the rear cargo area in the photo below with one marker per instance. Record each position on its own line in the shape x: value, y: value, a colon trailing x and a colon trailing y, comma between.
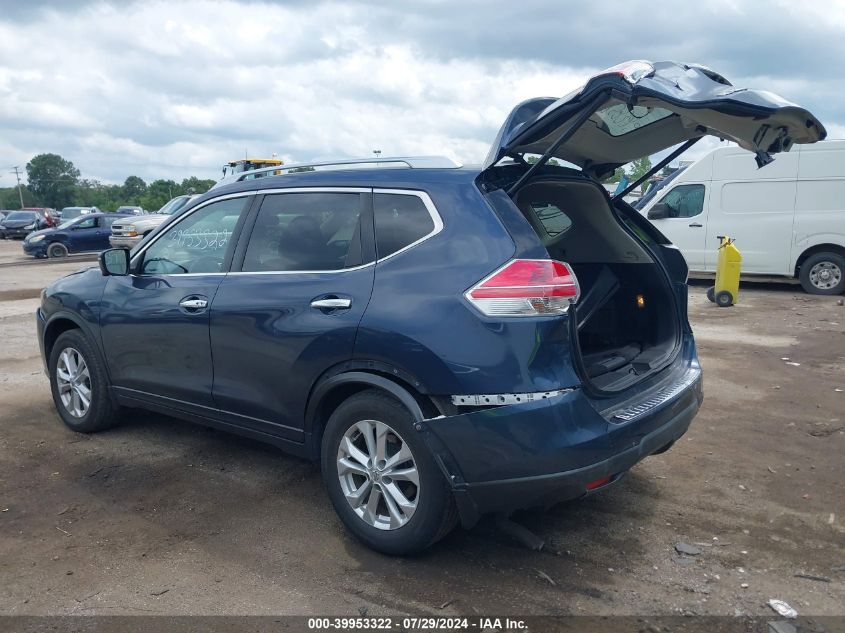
x: 625, y: 325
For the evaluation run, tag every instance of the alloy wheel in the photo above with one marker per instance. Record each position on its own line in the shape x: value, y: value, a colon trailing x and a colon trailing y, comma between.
x: 378, y: 474
x: 74, y: 382
x: 825, y: 275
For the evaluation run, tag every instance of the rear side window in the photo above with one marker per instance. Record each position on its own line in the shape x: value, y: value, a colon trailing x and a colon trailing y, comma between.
x: 685, y: 201
x: 401, y: 220
x: 305, y: 231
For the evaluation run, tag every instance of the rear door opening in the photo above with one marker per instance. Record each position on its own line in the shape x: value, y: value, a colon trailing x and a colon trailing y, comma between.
x: 625, y: 325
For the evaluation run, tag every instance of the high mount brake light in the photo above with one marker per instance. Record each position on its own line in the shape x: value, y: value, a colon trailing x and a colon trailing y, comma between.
x: 631, y: 71
x: 526, y: 287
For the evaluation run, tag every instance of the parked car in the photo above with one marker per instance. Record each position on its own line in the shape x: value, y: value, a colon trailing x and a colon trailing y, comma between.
x: 19, y: 224
x: 446, y: 341
x: 89, y: 232
x: 130, y: 210
x: 127, y: 233
x: 69, y: 213
x: 788, y: 217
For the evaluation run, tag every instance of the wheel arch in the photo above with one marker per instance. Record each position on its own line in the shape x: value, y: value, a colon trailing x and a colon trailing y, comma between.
x: 813, y: 250
x: 341, y: 383
x: 58, y: 325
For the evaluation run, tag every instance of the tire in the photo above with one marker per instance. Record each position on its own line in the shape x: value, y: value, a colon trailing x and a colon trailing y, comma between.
x: 711, y: 294
x: 724, y: 299
x: 56, y: 250
x: 408, y: 529
x: 100, y: 414
x: 823, y: 274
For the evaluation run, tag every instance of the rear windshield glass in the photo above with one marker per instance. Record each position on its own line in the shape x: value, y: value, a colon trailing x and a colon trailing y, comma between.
x: 619, y: 119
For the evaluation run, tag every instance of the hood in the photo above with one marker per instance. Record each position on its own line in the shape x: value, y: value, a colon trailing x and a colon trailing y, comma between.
x: 638, y: 108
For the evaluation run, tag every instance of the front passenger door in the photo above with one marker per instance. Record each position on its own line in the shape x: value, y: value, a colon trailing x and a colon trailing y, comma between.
x: 154, y: 322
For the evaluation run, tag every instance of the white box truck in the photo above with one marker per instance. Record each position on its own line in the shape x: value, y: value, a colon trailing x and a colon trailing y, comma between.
x: 788, y: 218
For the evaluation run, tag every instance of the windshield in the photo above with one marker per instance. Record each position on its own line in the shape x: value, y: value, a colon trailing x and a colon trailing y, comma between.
x: 22, y: 215
x: 173, y: 206
x: 68, y: 223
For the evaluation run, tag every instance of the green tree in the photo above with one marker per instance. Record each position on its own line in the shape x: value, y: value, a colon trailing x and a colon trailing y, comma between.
x: 52, y: 179
x: 196, y: 185
x: 158, y: 193
x: 132, y: 190
x: 638, y: 168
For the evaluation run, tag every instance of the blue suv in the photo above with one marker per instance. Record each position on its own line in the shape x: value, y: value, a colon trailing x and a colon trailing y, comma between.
x: 447, y: 341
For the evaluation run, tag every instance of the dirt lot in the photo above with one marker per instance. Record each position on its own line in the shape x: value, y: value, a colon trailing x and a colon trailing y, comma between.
x: 159, y: 516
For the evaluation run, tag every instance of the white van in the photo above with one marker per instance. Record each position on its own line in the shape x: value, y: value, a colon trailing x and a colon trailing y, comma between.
x: 788, y: 218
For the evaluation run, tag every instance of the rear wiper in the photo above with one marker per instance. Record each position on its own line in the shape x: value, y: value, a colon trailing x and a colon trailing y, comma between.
x: 656, y: 168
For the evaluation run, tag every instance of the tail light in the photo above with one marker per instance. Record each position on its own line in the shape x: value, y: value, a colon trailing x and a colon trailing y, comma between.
x: 526, y: 287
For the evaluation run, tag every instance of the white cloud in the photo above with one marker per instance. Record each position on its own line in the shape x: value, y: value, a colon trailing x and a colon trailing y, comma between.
x: 171, y: 89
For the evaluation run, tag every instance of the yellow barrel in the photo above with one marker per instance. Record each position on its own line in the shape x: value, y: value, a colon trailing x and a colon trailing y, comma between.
x: 726, y: 291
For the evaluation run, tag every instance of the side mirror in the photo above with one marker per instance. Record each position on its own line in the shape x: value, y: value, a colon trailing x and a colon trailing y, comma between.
x: 114, y: 261
x: 659, y: 211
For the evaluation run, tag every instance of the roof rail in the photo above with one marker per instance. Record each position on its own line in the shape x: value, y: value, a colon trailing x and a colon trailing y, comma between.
x: 411, y: 162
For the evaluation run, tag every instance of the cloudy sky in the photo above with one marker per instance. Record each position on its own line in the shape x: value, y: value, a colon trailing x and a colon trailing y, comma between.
x: 172, y: 89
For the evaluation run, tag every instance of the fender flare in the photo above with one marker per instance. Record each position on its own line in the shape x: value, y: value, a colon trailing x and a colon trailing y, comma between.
x: 360, y: 378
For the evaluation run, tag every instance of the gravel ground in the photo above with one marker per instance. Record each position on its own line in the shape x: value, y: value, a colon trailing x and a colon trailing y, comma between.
x: 159, y: 516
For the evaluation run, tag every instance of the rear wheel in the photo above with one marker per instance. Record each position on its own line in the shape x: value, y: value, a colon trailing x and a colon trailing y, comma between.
x: 381, y: 478
x: 711, y: 294
x: 823, y: 274
x: 79, y: 384
x: 56, y: 250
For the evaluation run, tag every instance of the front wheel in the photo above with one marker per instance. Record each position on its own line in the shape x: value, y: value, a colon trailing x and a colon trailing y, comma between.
x: 56, y: 250
x: 382, y: 479
x: 823, y: 274
x: 79, y: 384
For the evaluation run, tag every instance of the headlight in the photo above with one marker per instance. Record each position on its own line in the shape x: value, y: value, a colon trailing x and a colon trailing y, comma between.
x: 36, y: 238
x: 30, y: 226
x: 131, y: 231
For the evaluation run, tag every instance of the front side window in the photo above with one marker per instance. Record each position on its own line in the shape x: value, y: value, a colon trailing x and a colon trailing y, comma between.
x: 200, y: 243
x: 685, y: 201
x: 304, y: 232
x: 400, y: 220
x: 87, y: 223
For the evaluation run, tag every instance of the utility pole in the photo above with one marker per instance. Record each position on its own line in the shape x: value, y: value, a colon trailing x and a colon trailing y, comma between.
x: 18, y: 176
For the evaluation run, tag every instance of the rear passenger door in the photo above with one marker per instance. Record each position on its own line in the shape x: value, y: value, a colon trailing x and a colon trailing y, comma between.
x: 290, y: 308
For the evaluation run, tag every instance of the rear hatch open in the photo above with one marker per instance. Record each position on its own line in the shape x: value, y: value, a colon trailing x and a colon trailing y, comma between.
x: 627, y: 324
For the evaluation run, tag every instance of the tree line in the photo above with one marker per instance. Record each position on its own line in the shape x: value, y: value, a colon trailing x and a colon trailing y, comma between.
x: 54, y: 182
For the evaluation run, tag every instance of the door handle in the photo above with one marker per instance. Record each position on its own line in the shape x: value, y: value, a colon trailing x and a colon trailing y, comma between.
x: 696, y: 225
x: 193, y: 303
x: 333, y: 303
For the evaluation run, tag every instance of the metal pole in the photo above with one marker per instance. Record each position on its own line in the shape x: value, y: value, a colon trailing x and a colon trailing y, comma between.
x: 18, y: 176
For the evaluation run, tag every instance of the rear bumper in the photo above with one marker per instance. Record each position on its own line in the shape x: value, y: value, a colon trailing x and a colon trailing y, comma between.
x: 542, y: 453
